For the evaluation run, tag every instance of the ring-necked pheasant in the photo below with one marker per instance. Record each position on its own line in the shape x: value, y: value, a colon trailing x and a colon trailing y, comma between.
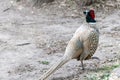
x: 82, y: 46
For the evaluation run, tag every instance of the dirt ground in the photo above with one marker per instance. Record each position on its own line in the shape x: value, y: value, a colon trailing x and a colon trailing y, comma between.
x: 31, y: 41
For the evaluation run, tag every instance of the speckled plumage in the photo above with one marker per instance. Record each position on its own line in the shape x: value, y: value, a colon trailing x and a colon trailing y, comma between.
x: 82, y: 46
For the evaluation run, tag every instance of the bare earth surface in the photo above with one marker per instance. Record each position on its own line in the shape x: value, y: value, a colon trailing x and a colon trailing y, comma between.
x: 30, y: 43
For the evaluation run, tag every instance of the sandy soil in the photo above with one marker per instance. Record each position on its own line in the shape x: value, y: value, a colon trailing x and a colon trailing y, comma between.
x: 32, y: 42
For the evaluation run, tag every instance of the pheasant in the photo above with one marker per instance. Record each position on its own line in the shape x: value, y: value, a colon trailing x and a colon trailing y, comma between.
x: 82, y: 46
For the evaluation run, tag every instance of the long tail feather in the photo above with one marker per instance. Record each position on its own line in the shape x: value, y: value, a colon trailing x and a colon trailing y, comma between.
x: 54, y: 68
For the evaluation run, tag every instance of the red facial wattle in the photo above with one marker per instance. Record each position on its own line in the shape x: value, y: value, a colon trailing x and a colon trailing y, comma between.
x: 92, y: 14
